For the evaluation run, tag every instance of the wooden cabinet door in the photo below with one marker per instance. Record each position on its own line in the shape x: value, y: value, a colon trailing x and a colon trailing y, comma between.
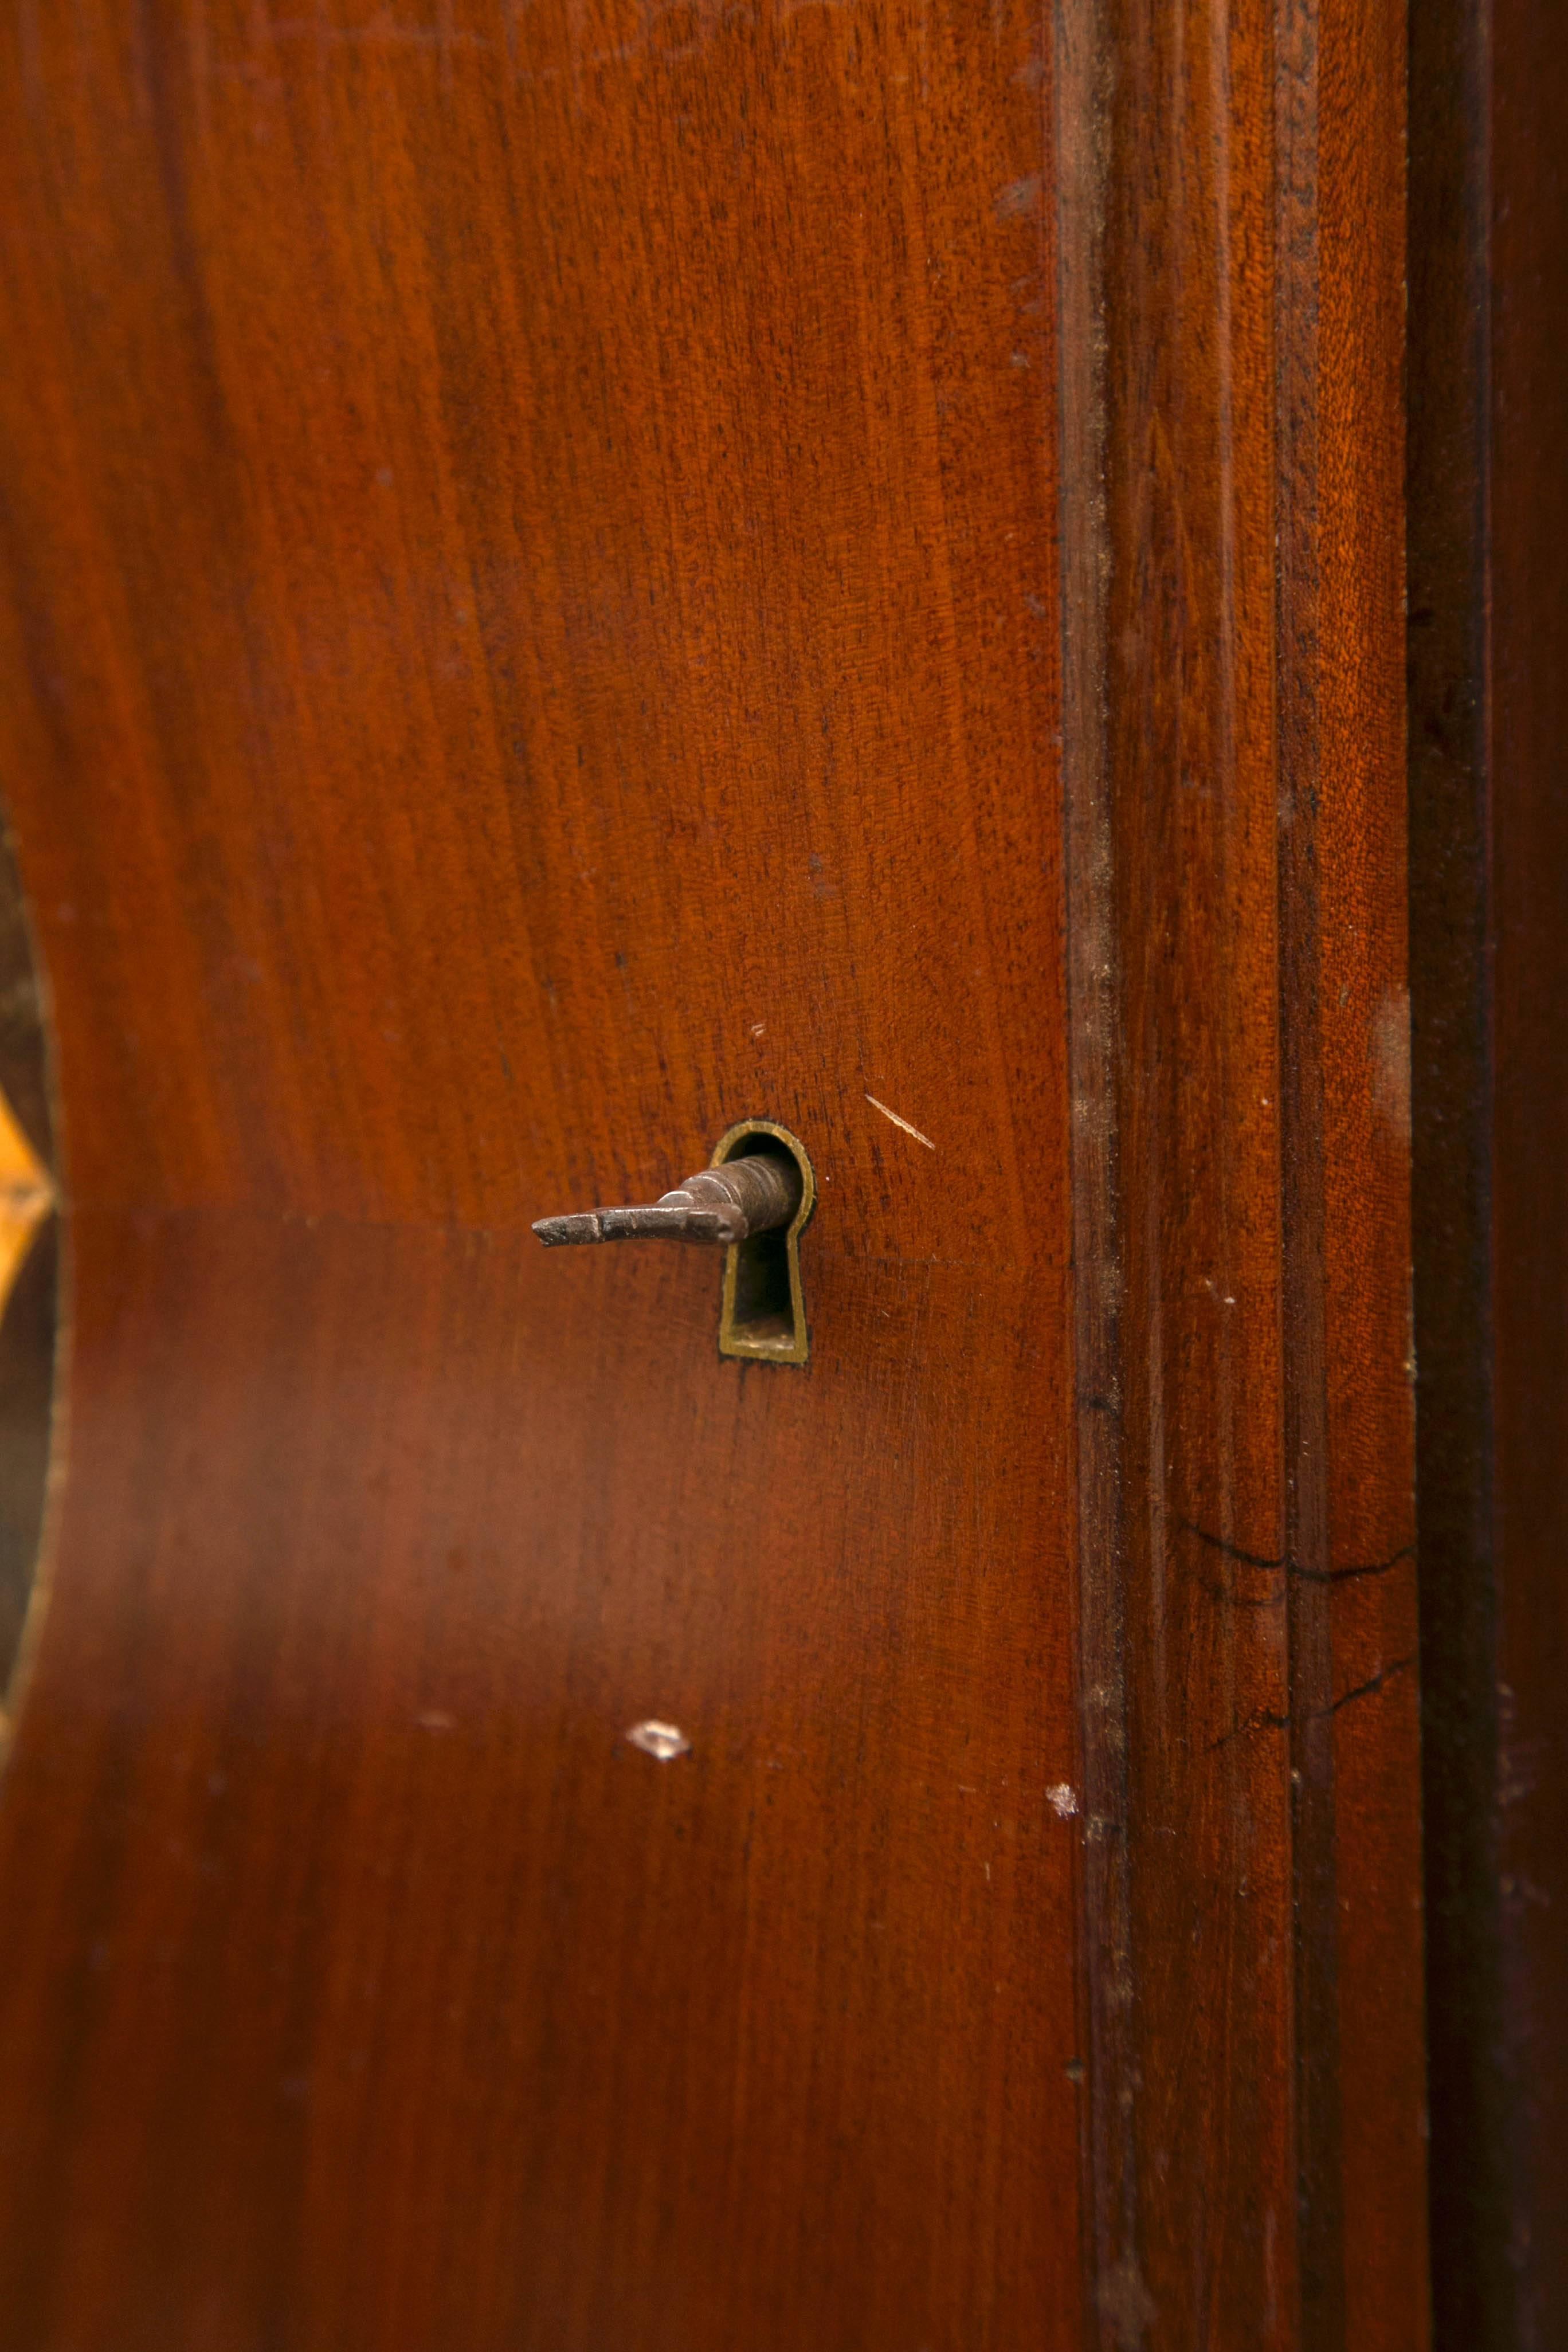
x: 574, y: 573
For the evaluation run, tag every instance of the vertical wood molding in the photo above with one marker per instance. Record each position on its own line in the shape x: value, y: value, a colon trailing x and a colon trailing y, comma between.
x: 1236, y: 894
x: 1488, y: 718
x: 1307, y: 1548
x: 1080, y: 130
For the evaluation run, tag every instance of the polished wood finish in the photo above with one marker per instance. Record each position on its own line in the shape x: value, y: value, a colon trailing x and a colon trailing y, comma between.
x: 574, y: 575
x: 1489, y: 645
x: 1259, y: 2013
x: 507, y: 542
x: 430, y: 2009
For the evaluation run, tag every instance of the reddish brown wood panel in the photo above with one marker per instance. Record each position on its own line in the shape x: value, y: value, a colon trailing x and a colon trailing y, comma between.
x: 532, y: 636
x: 388, y: 1996
x: 1255, y: 1624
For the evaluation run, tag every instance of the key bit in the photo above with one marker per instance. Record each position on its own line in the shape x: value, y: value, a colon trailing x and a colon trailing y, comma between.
x: 719, y: 1206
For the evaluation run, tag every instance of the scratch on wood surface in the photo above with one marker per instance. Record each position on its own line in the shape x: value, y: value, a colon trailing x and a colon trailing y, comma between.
x: 1297, y: 1570
x: 1268, y: 1719
x: 901, y: 1122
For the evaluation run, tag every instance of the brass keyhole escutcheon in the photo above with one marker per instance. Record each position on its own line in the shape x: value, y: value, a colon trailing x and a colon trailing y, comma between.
x: 753, y: 1200
x: 762, y: 1313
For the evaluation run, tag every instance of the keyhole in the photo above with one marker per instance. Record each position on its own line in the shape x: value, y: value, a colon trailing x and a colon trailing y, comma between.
x: 763, y: 1310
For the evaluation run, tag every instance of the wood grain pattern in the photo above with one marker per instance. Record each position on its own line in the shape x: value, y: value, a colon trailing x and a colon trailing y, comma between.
x: 1258, y: 2021
x: 432, y: 2011
x: 574, y: 574
x: 503, y: 547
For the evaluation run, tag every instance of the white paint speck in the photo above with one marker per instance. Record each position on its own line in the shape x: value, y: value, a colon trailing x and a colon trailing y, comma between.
x: 1062, y: 1799
x: 663, y: 1741
x: 759, y: 1028
x: 901, y: 1122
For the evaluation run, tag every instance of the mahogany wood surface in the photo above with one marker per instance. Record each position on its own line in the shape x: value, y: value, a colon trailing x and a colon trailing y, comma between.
x: 1263, y: 1598
x: 535, y: 640
x: 572, y: 574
